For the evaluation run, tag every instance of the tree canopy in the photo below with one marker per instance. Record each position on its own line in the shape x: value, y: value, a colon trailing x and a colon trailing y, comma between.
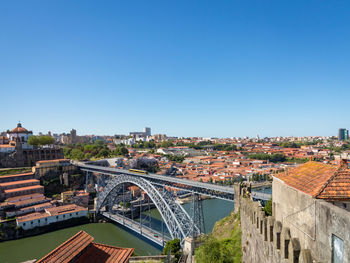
x: 275, y: 158
x: 40, y: 140
x: 174, y: 247
x: 96, y: 150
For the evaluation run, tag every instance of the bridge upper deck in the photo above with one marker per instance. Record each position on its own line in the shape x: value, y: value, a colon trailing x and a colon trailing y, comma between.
x: 114, y: 171
x: 217, y: 191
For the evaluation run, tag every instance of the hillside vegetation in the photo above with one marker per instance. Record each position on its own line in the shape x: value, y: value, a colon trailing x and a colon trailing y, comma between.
x: 223, y: 245
x: 15, y: 171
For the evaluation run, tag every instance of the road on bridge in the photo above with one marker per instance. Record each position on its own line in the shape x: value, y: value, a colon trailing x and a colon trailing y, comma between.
x: 137, y: 227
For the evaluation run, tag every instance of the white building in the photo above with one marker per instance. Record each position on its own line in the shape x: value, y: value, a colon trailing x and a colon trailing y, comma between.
x: 20, y: 135
x: 51, y: 215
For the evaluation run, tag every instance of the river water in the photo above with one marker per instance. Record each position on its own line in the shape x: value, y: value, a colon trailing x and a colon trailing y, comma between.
x: 107, y: 233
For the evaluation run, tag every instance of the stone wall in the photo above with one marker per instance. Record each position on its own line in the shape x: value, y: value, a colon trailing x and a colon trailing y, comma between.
x: 265, y: 239
x: 312, y: 221
x: 28, y: 157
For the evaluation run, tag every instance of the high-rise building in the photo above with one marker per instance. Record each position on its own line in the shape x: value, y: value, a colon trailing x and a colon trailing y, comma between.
x: 343, y: 134
x: 147, y: 131
x: 73, y: 134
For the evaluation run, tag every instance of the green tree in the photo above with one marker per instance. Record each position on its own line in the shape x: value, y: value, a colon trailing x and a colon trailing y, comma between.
x: 40, y: 140
x: 67, y: 152
x: 87, y: 156
x: 46, y: 140
x: 77, y: 154
x: 103, y: 153
x: 99, y: 142
x: 166, y: 144
x: 124, y: 151
x: 209, y: 252
x: 174, y: 247
x: 268, y: 208
x: 33, y: 140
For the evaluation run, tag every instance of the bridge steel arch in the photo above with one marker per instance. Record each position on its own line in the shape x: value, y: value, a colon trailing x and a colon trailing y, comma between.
x: 177, y: 220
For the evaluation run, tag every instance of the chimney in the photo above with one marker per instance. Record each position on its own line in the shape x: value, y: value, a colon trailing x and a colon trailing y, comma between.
x: 344, y: 164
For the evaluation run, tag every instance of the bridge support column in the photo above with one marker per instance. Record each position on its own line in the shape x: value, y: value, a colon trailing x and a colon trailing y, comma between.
x: 197, y: 214
x: 87, y: 179
x: 188, y: 249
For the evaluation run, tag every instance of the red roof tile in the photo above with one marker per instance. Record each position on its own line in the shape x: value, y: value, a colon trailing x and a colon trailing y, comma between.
x: 319, y: 180
x: 33, y: 187
x: 29, y: 181
x: 99, y: 253
x: 81, y: 249
x: 337, y: 188
x: 69, y: 249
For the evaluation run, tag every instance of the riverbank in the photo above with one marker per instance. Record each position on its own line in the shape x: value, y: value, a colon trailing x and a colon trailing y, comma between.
x: 188, y: 199
x: 9, y: 229
x: 38, y: 246
x: 106, y: 233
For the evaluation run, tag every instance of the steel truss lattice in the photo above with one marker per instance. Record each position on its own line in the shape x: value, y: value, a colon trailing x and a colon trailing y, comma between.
x: 177, y: 220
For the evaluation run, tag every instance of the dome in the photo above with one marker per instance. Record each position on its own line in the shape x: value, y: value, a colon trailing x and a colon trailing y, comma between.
x: 19, y: 129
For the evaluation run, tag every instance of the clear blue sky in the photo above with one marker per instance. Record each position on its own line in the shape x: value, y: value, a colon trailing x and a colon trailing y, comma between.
x: 184, y: 68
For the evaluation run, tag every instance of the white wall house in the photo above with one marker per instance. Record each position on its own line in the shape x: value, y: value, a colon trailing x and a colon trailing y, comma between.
x: 51, y: 215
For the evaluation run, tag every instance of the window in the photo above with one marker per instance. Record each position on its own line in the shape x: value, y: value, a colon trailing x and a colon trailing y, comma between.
x: 76, y: 213
x: 337, y: 249
x: 56, y: 217
x: 31, y: 222
x: 46, y: 219
x: 64, y: 216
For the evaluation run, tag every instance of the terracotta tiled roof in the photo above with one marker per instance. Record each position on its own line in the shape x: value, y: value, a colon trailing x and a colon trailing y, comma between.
x: 337, y: 188
x: 15, y: 175
x: 98, y: 253
x: 52, y: 161
x: 19, y: 129
x: 319, y: 180
x: 33, y: 187
x: 29, y: 181
x: 24, y: 197
x: 31, y: 217
x: 69, y: 249
x: 6, y: 146
x: 81, y: 249
x: 65, y: 209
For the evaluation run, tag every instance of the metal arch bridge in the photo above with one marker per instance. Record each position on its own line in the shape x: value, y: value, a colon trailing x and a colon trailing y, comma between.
x: 216, y: 191
x: 177, y: 220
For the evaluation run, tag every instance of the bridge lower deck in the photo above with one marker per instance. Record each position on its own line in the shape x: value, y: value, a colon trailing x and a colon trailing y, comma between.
x: 137, y: 227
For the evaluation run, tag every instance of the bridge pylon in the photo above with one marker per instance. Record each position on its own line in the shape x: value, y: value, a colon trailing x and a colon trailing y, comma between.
x: 197, y: 215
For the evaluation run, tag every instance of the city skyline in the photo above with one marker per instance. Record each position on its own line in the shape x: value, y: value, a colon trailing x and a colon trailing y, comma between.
x: 232, y: 69
x: 143, y: 131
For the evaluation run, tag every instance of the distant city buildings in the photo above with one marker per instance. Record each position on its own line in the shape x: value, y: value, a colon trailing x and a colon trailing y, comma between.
x: 343, y: 134
x: 72, y: 138
x: 146, y: 133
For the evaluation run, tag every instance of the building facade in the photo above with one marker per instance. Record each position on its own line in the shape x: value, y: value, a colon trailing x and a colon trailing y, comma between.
x: 312, y: 201
x: 18, y: 153
x: 343, y: 134
x: 51, y: 215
